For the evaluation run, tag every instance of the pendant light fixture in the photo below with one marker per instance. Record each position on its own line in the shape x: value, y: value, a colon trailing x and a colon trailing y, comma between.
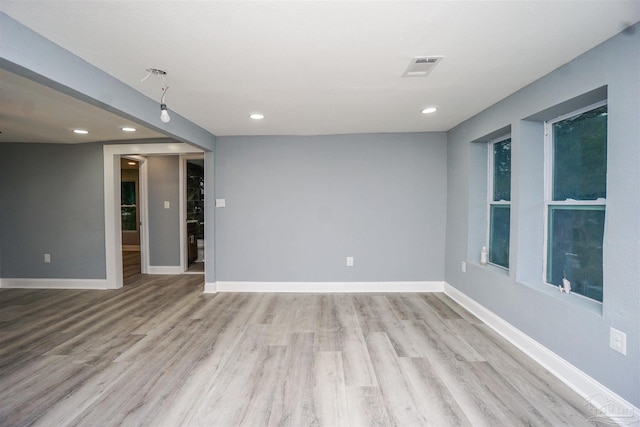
x: 164, y: 113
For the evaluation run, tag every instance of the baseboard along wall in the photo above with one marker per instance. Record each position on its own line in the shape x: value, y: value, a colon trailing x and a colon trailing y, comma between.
x: 324, y: 287
x: 602, y: 400
x: 54, y: 283
x: 164, y: 269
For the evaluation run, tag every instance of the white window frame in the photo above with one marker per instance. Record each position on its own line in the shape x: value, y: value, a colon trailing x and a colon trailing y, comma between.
x: 490, y: 201
x: 548, y: 185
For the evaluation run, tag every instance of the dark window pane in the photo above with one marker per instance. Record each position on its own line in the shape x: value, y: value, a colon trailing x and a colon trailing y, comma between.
x: 580, y: 156
x: 502, y: 170
x: 129, y: 222
x: 499, y: 235
x: 128, y: 193
x: 575, y: 248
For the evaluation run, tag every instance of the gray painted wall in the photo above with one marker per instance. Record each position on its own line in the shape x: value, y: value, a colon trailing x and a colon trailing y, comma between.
x: 164, y: 224
x: 298, y: 206
x: 52, y: 202
x: 570, y: 326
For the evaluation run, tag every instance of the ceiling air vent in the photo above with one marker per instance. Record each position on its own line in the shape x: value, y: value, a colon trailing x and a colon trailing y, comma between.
x: 421, y: 66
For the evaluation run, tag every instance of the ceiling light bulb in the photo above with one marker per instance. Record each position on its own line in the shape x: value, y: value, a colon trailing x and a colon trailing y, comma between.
x: 128, y: 129
x: 131, y: 163
x: 256, y: 116
x: 429, y: 110
x: 164, y: 114
x: 81, y: 131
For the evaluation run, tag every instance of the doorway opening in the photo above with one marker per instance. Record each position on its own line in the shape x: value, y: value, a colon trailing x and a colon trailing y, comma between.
x: 112, y: 201
x: 130, y: 218
x: 194, y: 214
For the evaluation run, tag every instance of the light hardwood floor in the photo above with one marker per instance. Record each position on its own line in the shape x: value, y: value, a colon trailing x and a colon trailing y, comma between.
x: 159, y: 352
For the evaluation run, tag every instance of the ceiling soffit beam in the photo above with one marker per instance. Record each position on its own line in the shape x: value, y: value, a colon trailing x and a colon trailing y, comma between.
x: 30, y: 55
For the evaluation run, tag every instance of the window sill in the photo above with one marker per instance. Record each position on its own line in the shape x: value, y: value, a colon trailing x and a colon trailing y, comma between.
x: 572, y: 299
x: 491, y: 267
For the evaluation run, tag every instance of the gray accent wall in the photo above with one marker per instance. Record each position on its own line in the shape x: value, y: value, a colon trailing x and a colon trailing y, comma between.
x: 164, y: 224
x: 571, y: 326
x: 52, y: 201
x: 296, y: 207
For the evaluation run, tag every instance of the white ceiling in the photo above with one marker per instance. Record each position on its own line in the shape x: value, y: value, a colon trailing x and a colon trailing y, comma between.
x: 326, y: 67
x: 31, y: 112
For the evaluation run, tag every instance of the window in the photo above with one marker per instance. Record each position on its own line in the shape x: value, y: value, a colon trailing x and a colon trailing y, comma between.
x: 128, y: 206
x: 576, y: 194
x: 499, y: 201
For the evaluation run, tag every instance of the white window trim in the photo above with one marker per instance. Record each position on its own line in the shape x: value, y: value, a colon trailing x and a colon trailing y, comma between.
x: 548, y: 186
x: 490, y: 200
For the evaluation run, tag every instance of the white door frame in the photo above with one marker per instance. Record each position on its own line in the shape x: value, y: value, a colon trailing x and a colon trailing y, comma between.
x: 112, y: 214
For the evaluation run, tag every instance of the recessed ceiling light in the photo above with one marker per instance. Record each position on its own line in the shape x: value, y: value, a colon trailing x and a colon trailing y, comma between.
x: 128, y: 129
x: 81, y: 131
x: 131, y: 163
x: 256, y: 116
x: 429, y: 110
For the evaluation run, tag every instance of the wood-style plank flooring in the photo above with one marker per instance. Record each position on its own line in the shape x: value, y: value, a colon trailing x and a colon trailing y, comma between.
x: 159, y: 352
x: 130, y: 265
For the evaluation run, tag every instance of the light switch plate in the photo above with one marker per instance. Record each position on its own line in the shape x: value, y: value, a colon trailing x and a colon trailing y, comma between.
x: 221, y: 203
x: 167, y: 204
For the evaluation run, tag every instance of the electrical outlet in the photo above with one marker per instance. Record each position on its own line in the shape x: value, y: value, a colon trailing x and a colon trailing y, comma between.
x: 618, y: 341
x: 47, y: 258
x: 349, y: 261
x: 463, y: 267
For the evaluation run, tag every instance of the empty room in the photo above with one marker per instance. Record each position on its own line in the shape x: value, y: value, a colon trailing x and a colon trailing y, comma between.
x: 319, y: 213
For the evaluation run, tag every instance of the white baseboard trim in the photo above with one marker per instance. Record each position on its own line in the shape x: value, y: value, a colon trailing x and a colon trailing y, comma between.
x: 54, y: 283
x: 326, y: 287
x: 210, y: 288
x: 164, y: 269
x: 602, y: 400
